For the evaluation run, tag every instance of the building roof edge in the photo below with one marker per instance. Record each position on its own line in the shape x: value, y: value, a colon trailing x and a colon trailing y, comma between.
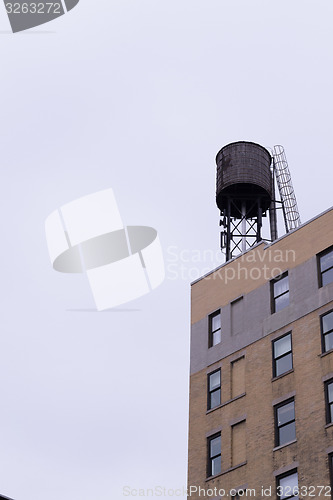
x: 263, y: 242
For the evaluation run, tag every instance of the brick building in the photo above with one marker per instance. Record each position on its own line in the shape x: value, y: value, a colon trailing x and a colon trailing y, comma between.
x: 261, y: 383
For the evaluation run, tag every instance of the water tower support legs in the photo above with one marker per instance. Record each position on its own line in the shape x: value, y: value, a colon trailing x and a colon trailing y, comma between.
x: 243, y: 226
x: 243, y: 231
x: 228, y: 249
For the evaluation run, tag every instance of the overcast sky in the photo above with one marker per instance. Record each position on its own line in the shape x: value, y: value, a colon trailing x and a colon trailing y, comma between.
x: 137, y: 95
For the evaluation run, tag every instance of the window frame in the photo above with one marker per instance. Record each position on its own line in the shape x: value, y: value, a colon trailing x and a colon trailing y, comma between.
x: 232, y: 444
x: 275, y: 359
x: 328, y: 404
x: 238, y: 496
x: 233, y: 378
x: 210, y: 328
x: 323, y: 334
x: 330, y: 467
x: 320, y: 272
x: 210, y: 392
x: 283, y: 476
x: 210, y: 458
x: 273, y: 297
x: 276, y: 425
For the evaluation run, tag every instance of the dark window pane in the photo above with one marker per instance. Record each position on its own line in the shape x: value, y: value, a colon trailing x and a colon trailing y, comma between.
x: 287, y: 433
x: 282, y: 302
x: 216, y: 322
x: 240, y: 494
x: 286, y: 413
x: 328, y: 322
x: 326, y: 261
x: 216, y: 337
x: 214, y: 380
x: 282, y: 346
x: 215, y: 446
x: 216, y: 466
x: 331, y: 413
x: 215, y: 399
x: 284, y: 364
x: 281, y: 286
x: 329, y: 341
x: 327, y: 277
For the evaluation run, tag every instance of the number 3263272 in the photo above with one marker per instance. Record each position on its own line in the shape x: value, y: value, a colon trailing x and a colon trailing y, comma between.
x: 307, y: 491
x: 33, y: 8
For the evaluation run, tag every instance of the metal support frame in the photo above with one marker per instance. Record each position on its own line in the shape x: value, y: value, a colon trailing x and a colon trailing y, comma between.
x: 243, y: 232
x: 273, y: 213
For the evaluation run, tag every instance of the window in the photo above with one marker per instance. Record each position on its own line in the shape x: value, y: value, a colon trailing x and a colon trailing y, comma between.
x: 237, y: 316
x: 330, y: 466
x: 214, y: 455
x: 240, y: 494
x: 327, y: 331
x: 287, y: 486
x: 282, y: 355
x: 214, y: 328
x: 238, y: 444
x: 326, y: 267
x: 280, y: 292
x: 214, y: 389
x: 329, y: 401
x: 238, y: 377
x: 285, y: 429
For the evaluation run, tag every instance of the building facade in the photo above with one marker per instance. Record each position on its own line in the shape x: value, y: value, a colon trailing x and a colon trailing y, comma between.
x: 261, y: 381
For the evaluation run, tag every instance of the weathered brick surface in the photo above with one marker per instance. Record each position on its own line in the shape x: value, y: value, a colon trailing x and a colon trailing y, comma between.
x: 313, y: 437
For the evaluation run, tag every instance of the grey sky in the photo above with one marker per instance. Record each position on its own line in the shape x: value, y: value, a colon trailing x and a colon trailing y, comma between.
x: 137, y: 95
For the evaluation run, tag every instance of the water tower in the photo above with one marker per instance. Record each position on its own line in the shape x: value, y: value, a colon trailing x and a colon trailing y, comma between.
x: 245, y: 193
